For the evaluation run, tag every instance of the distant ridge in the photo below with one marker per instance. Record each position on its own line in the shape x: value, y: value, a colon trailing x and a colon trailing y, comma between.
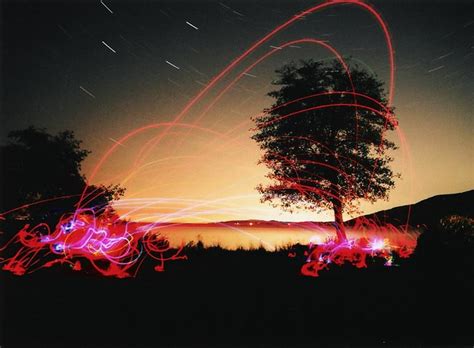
x: 426, y: 212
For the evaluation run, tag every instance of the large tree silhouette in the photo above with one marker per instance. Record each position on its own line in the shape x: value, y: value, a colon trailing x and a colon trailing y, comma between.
x: 37, y: 166
x: 324, y: 139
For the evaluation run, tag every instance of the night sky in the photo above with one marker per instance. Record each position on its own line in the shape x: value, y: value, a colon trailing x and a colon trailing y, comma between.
x: 106, y: 68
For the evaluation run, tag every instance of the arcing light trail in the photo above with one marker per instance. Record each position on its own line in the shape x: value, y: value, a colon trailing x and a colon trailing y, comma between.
x: 257, y: 62
x: 234, y: 63
x: 116, y: 248
x: 281, y: 27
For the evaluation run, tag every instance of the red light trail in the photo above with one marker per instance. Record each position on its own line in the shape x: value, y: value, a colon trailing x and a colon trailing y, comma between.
x: 117, y: 248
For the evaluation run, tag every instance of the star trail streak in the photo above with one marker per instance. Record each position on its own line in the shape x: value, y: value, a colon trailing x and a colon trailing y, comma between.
x: 190, y: 162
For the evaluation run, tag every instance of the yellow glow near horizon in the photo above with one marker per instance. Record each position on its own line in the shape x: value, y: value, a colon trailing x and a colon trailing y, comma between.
x: 211, y: 179
x: 195, y: 164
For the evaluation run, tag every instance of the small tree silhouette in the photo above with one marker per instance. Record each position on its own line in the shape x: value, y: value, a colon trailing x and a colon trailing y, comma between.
x: 324, y: 139
x: 39, y: 166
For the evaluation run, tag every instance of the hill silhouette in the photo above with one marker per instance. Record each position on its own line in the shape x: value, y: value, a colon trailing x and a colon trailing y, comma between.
x: 426, y: 212
x: 252, y: 298
x: 429, y: 211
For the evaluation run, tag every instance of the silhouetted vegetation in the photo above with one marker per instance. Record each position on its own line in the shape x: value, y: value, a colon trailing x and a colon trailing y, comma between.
x: 451, y: 241
x: 325, y: 146
x: 247, y: 298
x: 37, y: 166
x: 221, y: 298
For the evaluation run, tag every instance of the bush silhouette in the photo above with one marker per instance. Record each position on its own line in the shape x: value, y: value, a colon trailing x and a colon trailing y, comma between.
x: 452, y: 240
x: 37, y: 166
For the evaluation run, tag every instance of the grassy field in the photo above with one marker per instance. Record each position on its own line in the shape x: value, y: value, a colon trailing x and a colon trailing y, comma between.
x: 241, y: 298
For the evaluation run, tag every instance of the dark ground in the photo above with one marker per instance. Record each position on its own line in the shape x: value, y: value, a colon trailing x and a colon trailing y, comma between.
x: 245, y: 299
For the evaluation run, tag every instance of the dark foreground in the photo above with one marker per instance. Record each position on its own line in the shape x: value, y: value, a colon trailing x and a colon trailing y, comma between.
x: 245, y: 299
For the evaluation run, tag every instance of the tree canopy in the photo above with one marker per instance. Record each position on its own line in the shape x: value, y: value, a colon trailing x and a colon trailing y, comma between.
x: 324, y: 138
x: 38, y: 166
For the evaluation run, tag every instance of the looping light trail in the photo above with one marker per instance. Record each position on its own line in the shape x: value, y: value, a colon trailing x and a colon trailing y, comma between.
x: 117, y: 248
x: 110, y: 248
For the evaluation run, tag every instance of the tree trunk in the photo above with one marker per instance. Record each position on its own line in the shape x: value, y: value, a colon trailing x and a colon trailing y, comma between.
x: 340, y: 229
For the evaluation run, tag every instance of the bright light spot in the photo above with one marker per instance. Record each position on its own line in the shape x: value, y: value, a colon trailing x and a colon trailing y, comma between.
x: 377, y: 244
